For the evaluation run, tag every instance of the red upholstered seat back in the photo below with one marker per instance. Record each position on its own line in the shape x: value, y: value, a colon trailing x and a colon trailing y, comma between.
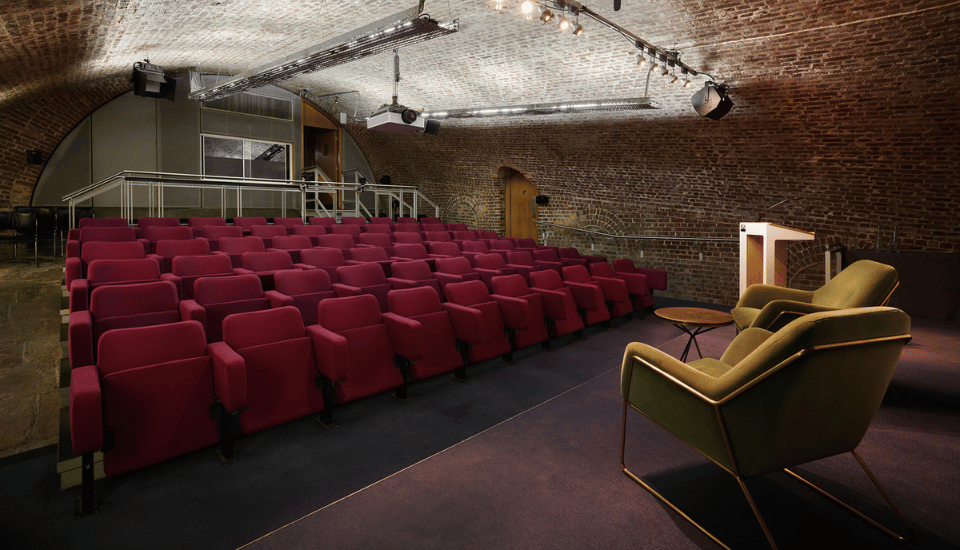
x: 376, y: 239
x: 445, y: 248
x: 239, y: 245
x: 526, y: 243
x: 325, y: 222
x: 310, y: 230
x: 378, y: 227
x: 251, y: 329
x: 502, y: 244
x: 410, y: 302
x: 116, y: 271
x: 520, y: 258
x: 510, y: 285
x: 186, y: 266
x: 407, y: 237
x: 414, y: 270
x: 188, y: 247
x: 406, y: 227
x: 109, y: 233
x: 351, y: 312
x: 454, y: 266
x: 145, y: 222
x: 136, y: 305
x: 602, y: 269
x: 102, y: 222
x: 288, y: 222
x: 247, y: 222
x: 457, y: 227
x: 427, y: 219
x: 547, y: 279
x: 160, y: 233
x: 216, y: 290
x: 468, y: 293
x: 328, y: 259
x: 488, y: 235
x: 292, y: 242
x: 306, y: 281
x: 157, y: 390
x: 371, y: 254
x: 198, y: 222
x: 478, y: 247
x: 490, y: 261
x: 217, y: 232
x: 343, y: 242
x: 381, y: 221
x: 362, y: 275
x: 107, y: 250
x: 346, y: 229
x: 411, y: 251
x: 464, y: 235
x: 268, y: 231
x: 432, y: 228
x: 546, y: 255
x: 352, y: 220
x: 569, y: 253
x: 576, y: 274
x: 407, y: 220
x: 266, y: 261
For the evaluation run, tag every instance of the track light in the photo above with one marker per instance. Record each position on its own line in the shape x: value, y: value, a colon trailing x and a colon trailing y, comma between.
x: 674, y: 79
x: 641, y: 60
x: 526, y: 8
x: 655, y: 68
x: 546, y: 15
x: 564, y: 25
x: 687, y: 84
x: 577, y: 29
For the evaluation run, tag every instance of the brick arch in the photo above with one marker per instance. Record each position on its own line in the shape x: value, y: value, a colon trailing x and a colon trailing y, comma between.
x: 41, y: 123
x: 466, y: 209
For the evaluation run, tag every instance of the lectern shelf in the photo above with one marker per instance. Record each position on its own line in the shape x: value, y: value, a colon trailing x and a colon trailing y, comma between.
x: 763, y: 252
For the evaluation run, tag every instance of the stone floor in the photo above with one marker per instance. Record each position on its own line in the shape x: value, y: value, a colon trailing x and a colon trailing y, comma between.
x: 30, y: 301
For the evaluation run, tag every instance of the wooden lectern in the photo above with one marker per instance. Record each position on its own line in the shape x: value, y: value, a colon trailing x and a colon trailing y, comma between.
x: 763, y: 253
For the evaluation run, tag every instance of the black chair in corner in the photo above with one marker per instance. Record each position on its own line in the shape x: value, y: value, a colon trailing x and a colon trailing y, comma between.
x: 19, y: 227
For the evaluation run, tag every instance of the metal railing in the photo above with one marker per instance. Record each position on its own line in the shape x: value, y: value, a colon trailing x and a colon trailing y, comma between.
x: 643, y: 237
x: 410, y: 199
x: 613, y: 245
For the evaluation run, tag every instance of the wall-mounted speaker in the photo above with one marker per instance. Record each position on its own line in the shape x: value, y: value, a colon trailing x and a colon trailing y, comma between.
x: 149, y: 81
x: 712, y: 101
x: 542, y: 199
x: 431, y: 127
x: 34, y: 157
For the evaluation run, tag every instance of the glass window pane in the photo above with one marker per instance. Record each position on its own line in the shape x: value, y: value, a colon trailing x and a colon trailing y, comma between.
x: 222, y: 157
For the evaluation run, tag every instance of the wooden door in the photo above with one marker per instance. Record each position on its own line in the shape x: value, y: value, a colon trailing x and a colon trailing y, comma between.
x: 521, y: 208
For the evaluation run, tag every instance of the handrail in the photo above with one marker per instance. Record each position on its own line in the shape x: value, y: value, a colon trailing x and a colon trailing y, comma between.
x: 642, y: 237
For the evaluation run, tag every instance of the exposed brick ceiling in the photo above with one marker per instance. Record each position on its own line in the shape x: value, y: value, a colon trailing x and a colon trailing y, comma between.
x: 48, y: 46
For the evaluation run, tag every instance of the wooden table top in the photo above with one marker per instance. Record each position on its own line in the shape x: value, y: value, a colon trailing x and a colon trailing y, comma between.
x: 694, y: 316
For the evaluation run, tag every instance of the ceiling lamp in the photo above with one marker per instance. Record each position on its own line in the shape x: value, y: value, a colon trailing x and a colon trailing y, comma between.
x: 564, y: 24
x: 546, y: 15
x: 577, y: 29
x: 402, y: 29
x: 526, y: 8
x: 641, y: 60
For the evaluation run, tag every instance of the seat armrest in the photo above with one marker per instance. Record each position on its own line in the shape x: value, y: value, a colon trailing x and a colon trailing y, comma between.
x: 396, y: 283
x: 776, y: 314
x: 331, y: 352
x: 86, y: 412
x: 79, y: 294
x: 515, y: 311
x: 466, y: 322
x: 346, y: 290
x: 656, y: 278
x: 446, y: 278
x: 72, y: 270
x: 587, y: 296
x: 80, y: 339
x: 277, y: 299
x: 636, y: 283
x: 759, y: 295
x: 190, y: 310
x: 305, y: 267
x: 553, y: 303
x: 229, y: 376
x: 406, y: 334
x: 176, y: 281
x: 243, y: 271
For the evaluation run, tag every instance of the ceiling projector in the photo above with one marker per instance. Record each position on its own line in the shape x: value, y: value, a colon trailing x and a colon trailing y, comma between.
x: 396, y: 119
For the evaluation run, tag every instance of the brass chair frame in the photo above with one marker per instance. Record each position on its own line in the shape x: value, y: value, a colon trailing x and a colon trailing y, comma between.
x: 740, y: 480
x: 795, y: 314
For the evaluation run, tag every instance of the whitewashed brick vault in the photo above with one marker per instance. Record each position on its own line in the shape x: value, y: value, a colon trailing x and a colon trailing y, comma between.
x: 851, y: 105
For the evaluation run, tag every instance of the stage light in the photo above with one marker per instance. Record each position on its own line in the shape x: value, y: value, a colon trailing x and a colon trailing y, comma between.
x: 712, y: 101
x: 564, y: 25
x: 546, y: 15
x: 526, y: 8
x: 641, y: 60
x: 577, y: 29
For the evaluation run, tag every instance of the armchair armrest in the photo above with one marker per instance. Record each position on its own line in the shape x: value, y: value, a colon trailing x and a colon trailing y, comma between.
x: 86, y: 413
x: 346, y: 290
x: 190, y: 310
x: 406, y: 334
x: 759, y: 295
x: 396, y: 283
x: 586, y: 296
x: 277, y: 299
x: 636, y: 283
x: 466, y: 322
x: 80, y: 339
x: 331, y: 352
x: 778, y: 313
x: 553, y: 303
x: 656, y: 278
x: 229, y: 376
x: 614, y: 290
x: 515, y: 311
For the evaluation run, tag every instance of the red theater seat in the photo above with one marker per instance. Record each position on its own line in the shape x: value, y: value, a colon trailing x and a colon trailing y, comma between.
x: 102, y: 234
x: 636, y: 283
x: 513, y: 295
x: 292, y: 245
x: 235, y: 247
x: 185, y: 270
x: 213, y: 234
x: 343, y: 242
x: 217, y: 297
x: 266, y: 264
x: 366, y: 278
x: 288, y: 223
x: 168, y: 250
x: 157, y: 233
x: 302, y: 289
x: 370, y: 254
x: 414, y: 273
x: 149, y: 397
x: 76, y: 268
x: 325, y: 222
x: 656, y: 278
x: 614, y: 290
x: 559, y: 304
x: 312, y: 231
x: 346, y: 229
x: 197, y: 223
x: 119, y: 306
x: 111, y: 272
x: 550, y: 255
x: 352, y: 220
x: 573, y: 253
x: 469, y: 302
x: 327, y: 259
x: 454, y: 270
x: 268, y: 233
x: 247, y: 222
x: 491, y: 265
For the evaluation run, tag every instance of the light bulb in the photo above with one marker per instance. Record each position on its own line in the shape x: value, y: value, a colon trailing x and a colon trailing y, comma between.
x: 546, y: 15
x: 564, y: 24
x: 526, y: 7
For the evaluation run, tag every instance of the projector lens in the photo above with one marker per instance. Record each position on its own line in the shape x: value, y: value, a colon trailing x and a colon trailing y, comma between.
x: 409, y: 116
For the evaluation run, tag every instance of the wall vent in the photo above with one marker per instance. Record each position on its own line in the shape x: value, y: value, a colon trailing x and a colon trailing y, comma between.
x: 254, y: 105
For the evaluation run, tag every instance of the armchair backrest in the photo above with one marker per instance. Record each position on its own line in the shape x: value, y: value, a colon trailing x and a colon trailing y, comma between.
x: 374, y: 227
x: 411, y: 302
x: 407, y: 237
x: 412, y: 251
x: 343, y: 242
x: 381, y: 221
x: 292, y: 242
x: 268, y: 231
x: 455, y: 266
x: 239, y: 245
x: 516, y: 257
x: 547, y: 279
x: 136, y: 305
x: 438, y: 236
x: 266, y: 261
x: 108, y: 250
x: 576, y: 274
x: 116, y: 271
x: 445, y: 248
x: 511, y: 285
x: 602, y: 269
x: 348, y: 313
x: 862, y: 284
x: 198, y: 222
x: 217, y: 232
x: 489, y: 261
x: 107, y: 233
x: 294, y: 282
x: 247, y: 222
x: 464, y: 235
x: 352, y: 220
x: 325, y: 222
x: 102, y: 222
x: 368, y: 254
x: 187, y: 266
x: 362, y: 275
x: 351, y: 229
x: 288, y: 222
x: 376, y: 239
x: 468, y: 293
x: 414, y: 270
x: 145, y: 222
x: 156, y: 233
x: 218, y: 290
x: 478, y: 247
x: 185, y: 247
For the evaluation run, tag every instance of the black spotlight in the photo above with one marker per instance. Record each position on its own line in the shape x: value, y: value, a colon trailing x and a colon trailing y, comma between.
x: 712, y: 101
x: 149, y: 81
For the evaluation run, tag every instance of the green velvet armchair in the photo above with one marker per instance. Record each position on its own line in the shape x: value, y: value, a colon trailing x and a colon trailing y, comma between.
x: 862, y: 284
x: 774, y: 399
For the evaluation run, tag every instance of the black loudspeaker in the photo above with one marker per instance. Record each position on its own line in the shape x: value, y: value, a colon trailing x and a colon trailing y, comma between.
x: 542, y: 199
x: 149, y: 81
x: 385, y: 180
x: 431, y: 127
x: 34, y: 157
x: 712, y: 101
